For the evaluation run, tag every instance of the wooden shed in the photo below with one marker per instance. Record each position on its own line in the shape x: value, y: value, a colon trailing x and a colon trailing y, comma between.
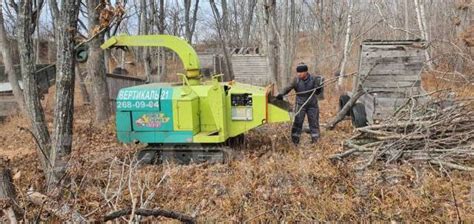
x: 251, y: 69
x: 248, y: 64
x: 390, y: 74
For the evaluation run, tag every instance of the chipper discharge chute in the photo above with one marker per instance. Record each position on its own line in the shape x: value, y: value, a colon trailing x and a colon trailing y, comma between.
x: 193, y: 121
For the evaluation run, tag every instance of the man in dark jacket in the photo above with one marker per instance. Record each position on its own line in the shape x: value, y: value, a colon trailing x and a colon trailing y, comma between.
x: 307, y: 87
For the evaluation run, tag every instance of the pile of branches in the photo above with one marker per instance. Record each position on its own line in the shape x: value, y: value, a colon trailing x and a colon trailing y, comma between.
x: 439, y: 133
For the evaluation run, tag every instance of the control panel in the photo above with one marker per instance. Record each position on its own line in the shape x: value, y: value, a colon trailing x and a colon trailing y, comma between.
x: 241, y: 106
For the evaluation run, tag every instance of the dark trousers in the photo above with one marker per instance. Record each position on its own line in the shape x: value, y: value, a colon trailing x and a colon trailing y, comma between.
x: 312, y: 110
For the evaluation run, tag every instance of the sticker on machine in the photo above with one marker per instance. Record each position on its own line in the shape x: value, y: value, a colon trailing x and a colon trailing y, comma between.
x: 152, y: 120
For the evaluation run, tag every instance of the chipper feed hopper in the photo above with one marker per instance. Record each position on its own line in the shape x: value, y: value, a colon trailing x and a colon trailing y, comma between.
x: 192, y: 121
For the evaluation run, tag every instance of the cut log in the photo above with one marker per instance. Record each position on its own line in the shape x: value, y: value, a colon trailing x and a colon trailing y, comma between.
x: 63, y: 212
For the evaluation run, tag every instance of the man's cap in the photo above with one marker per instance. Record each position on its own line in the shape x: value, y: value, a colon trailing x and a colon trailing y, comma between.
x: 301, y: 68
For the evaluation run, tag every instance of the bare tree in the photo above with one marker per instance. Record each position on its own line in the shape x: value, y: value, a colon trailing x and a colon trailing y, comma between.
x: 8, y: 62
x: 96, y: 64
x: 38, y: 5
x: 190, y: 22
x: 31, y: 94
x: 144, y: 31
x: 222, y: 24
x: 268, y: 8
x: 346, y: 44
x: 421, y: 18
x: 287, y: 40
x: 407, y: 19
x: 248, y: 22
x: 52, y: 153
x: 161, y: 30
x: 157, y: 21
x: 80, y: 76
x: 64, y: 101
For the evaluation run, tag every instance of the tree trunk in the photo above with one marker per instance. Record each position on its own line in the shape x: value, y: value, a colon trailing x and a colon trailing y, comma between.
x: 30, y: 91
x: 346, y: 45
x: 225, y: 40
x: 287, y: 41
x: 7, y: 61
x: 96, y: 67
x: 420, y: 14
x: 407, y: 21
x: 248, y: 23
x: 161, y: 51
x: 38, y: 35
x: 144, y: 31
x: 51, y: 50
x: 268, y: 9
x: 107, y: 56
x: 283, y: 41
x: 190, y: 23
x: 80, y: 78
x: 291, y: 39
x: 64, y: 102
x: 222, y: 29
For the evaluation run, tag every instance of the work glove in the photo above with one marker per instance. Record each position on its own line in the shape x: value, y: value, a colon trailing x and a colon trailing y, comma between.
x: 279, y: 96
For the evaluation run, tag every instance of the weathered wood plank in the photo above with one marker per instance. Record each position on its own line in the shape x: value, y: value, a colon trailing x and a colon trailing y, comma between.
x: 394, y: 84
x: 251, y: 69
x: 407, y: 90
x: 398, y: 94
x: 390, y: 103
x: 392, y: 77
x: 391, y: 68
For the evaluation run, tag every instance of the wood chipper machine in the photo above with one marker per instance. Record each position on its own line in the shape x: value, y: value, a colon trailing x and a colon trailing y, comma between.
x: 193, y: 121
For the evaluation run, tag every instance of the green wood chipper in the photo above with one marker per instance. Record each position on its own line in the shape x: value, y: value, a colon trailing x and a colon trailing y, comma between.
x: 195, y: 120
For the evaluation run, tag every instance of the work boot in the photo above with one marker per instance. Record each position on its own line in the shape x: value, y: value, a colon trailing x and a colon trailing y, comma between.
x: 295, y: 140
x: 314, y: 140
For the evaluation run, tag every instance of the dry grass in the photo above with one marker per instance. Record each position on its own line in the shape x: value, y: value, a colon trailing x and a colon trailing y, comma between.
x: 265, y: 182
x: 269, y: 180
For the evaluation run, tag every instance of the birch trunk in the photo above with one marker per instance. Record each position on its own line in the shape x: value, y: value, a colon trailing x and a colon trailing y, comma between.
x: 346, y: 45
x: 420, y: 14
x: 407, y: 35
